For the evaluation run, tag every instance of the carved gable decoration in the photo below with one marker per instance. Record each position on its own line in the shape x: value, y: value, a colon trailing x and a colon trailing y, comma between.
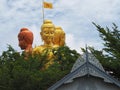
x: 87, y: 68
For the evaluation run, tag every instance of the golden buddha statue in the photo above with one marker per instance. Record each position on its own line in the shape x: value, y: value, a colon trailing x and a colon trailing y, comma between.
x: 47, y: 35
x: 51, y: 36
x: 25, y: 38
x: 59, y: 37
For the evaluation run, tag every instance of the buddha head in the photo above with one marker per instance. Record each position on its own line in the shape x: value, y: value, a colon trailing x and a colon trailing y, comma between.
x: 25, y: 38
x: 59, y: 37
x: 47, y: 32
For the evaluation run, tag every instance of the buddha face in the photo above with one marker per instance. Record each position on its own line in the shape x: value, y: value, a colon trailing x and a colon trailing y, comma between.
x: 59, y: 37
x: 56, y: 38
x: 47, y: 34
x: 25, y: 38
x: 22, y: 42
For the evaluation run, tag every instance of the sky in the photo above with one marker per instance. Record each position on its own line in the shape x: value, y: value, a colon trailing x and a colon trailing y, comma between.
x: 74, y: 16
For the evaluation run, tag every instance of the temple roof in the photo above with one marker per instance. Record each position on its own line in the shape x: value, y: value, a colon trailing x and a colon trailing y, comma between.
x: 88, y: 65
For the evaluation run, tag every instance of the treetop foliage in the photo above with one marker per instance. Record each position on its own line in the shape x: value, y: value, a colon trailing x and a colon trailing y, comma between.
x: 19, y: 73
x: 109, y: 56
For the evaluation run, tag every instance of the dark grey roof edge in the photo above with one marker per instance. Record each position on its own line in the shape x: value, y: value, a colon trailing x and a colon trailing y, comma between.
x: 86, y: 64
x: 67, y: 77
x: 104, y: 74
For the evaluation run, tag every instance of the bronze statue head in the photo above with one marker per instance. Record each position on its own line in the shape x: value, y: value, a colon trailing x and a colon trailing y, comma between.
x: 25, y: 38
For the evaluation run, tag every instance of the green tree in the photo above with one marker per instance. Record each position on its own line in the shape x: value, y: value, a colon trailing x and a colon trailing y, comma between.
x: 109, y: 56
x: 19, y: 73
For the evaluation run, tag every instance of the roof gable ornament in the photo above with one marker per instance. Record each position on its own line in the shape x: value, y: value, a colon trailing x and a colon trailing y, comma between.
x: 88, y: 65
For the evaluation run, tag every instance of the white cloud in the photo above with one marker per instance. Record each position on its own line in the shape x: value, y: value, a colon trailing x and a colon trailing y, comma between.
x: 75, y: 17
